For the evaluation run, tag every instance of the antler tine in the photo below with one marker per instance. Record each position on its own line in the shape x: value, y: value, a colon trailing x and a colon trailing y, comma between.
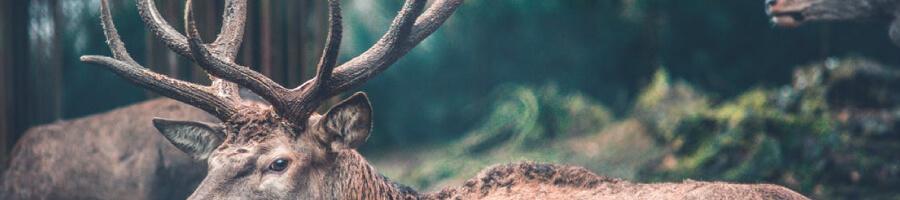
x: 227, y: 43
x: 161, y: 29
x: 122, y: 64
x: 305, y: 98
x: 406, y: 31
x: 290, y: 104
x: 332, y: 43
x: 232, y: 34
x: 430, y: 21
x: 226, y: 69
x: 403, y: 34
x: 116, y: 46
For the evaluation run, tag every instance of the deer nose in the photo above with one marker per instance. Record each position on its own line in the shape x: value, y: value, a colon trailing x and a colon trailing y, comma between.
x: 772, y: 3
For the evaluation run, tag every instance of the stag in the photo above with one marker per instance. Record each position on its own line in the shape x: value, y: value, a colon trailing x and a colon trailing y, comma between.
x: 793, y: 13
x: 286, y: 150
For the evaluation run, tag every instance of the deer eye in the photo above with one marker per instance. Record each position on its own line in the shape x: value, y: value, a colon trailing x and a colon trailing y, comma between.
x: 279, y: 165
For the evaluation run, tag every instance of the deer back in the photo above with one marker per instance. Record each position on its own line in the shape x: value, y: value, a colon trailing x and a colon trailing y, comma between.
x: 112, y: 155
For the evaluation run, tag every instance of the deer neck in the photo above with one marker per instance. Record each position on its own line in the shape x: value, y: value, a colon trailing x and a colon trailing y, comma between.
x: 354, y: 178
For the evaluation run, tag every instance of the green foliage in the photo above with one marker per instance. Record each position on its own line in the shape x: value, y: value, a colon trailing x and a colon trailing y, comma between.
x: 525, y: 117
x: 607, y: 50
x: 745, y: 139
x: 526, y: 123
x: 789, y: 136
x: 748, y: 139
x: 663, y: 104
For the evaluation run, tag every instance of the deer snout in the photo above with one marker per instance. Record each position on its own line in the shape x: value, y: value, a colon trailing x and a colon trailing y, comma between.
x: 774, y: 6
x: 785, y: 13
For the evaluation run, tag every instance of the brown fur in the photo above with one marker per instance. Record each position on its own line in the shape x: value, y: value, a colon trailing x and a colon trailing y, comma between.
x: 530, y: 180
x: 113, y: 155
x: 356, y: 179
x: 253, y: 125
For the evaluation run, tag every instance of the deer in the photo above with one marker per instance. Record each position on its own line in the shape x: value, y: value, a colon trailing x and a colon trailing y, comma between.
x: 284, y: 149
x: 112, y: 155
x: 794, y: 13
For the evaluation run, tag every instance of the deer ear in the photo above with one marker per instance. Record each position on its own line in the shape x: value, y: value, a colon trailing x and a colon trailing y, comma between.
x: 197, y: 139
x: 349, y: 122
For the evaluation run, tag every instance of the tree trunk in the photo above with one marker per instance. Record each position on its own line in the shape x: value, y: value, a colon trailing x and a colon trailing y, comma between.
x: 293, y: 36
x: 55, y: 69
x: 279, y: 16
x: 4, y: 78
x: 265, y: 38
x: 45, y: 104
x: 15, y: 93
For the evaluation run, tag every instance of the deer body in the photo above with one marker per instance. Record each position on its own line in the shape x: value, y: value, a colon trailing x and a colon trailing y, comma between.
x: 286, y: 150
x: 792, y: 13
x: 354, y: 178
x: 548, y: 181
x: 113, y: 155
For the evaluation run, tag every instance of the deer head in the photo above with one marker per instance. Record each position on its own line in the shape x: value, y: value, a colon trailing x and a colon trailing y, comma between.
x: 793, y: 13
x: 282, y: 149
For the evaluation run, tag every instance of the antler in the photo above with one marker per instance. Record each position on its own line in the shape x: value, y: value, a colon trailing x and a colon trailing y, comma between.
x: 406, y: 31
x: 220, y: 99
x: 228, y: 42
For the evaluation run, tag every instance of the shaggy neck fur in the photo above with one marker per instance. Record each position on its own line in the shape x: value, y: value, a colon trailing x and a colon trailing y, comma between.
x: 354, y: 178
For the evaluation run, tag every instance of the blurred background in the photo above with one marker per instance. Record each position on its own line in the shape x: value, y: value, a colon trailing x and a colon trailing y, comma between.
x: 648, y: 90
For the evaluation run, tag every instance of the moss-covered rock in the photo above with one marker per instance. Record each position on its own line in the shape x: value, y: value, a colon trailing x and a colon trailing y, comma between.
x: 806, y: 136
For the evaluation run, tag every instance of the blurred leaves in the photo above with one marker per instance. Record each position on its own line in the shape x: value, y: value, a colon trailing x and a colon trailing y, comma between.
x: 791, y: 136
x: 531, y: 123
